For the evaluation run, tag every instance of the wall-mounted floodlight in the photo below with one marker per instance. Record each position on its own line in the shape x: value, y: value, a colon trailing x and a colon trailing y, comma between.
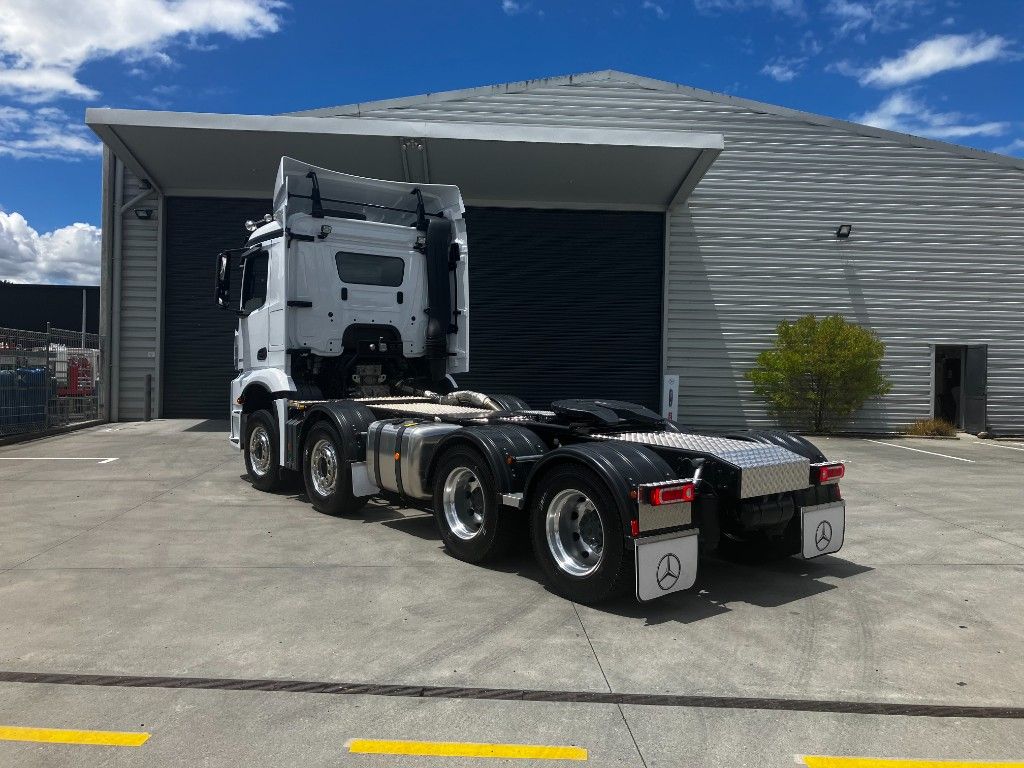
x: 144, y: 213
x: 844, y: 231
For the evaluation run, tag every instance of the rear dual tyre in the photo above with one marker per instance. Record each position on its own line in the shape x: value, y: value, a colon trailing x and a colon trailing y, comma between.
x: 577, y: 536
x: 467, y: 508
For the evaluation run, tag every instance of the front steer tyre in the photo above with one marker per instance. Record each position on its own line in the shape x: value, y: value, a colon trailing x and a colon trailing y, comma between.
x: 262, y: 457
x: 578, y: 537
x: 326, y: 474
x: 467, y: 508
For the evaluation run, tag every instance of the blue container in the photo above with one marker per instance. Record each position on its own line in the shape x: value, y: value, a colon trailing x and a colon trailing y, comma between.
x: 8, y: 400
x: 33, y: 391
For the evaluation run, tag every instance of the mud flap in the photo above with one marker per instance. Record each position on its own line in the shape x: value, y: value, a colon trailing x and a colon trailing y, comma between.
x: 665, y: 564
x: 822, y: 528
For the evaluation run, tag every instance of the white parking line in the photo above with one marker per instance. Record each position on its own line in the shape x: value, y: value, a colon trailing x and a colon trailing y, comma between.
x: 97, y: 459
x: 1010, y: 447
x: 918, y: 450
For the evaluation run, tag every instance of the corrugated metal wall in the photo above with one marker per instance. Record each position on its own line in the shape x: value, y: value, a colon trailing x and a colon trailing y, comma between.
x: 139, y: 326
x: 936, y: 257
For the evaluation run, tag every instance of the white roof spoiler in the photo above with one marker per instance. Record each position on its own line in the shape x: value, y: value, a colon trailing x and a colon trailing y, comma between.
x: 294, y: 187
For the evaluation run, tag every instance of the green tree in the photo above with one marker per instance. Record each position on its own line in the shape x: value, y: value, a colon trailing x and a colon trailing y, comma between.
x: 819, y: 372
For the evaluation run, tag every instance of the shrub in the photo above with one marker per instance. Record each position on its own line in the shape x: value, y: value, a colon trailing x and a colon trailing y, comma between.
x: 819, y: 372
x: 932, y: 428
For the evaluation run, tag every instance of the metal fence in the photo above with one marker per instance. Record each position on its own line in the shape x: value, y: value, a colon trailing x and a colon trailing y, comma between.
x: 48, y: 379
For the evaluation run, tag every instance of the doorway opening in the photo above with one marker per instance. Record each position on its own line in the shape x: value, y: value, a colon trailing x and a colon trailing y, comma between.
x: 961, y: 379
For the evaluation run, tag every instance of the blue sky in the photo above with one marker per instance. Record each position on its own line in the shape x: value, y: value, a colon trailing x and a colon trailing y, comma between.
x: 948, y: 69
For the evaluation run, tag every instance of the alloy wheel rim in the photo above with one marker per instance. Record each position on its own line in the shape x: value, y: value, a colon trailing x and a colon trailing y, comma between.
x: 323, y: 467
x: 259, y: 450
x: 462, y: 498
x: 575, y: 533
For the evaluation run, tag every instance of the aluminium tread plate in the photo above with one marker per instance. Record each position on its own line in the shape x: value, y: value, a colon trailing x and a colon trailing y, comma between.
x: 764, y: 469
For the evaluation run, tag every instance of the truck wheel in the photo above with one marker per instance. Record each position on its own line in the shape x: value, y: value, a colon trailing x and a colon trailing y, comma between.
x: 262, y: 459
x: 326, y: 474
x: 467, y: 508
x: 577, y: 536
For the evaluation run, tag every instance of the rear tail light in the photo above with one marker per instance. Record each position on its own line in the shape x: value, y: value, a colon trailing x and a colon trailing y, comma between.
x: 634, y: 528
x: 671, y: 494
x: 830, y: 473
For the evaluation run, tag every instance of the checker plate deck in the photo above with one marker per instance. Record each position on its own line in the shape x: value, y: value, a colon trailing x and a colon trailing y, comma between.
x: 764, y: 469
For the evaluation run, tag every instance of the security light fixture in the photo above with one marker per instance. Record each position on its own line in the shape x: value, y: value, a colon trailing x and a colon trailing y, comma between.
x: 844, y: 231
x: 144, y: 213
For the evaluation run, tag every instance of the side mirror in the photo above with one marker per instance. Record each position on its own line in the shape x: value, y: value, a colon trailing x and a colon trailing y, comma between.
x: 223, y: 291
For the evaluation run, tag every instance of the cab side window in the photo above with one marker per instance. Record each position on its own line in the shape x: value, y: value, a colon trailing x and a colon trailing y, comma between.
x: 254, y: 281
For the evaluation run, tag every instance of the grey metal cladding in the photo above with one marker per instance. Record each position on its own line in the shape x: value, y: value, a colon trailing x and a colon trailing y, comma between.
x: 935, y: 256
x: 764, y: 469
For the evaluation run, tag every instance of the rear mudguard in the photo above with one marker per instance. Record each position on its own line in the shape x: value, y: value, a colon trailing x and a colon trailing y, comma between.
x: 498, y: 444
x: 793, y: 443
x: 620, y: 466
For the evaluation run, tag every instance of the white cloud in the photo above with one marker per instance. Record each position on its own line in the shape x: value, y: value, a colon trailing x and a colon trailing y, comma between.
x: 44, y: 132
x: 44, y: 43
x: 783, y: 69
x: 903, y: 112
x: 788, y: 7
x: 511, y: 7
x: 70, y: 254
x: 876, y: 15
x: 939, y: 54
x: 656, y: 9
x: 1015, y: 147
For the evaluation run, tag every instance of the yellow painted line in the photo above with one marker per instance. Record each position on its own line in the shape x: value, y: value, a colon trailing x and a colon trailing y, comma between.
x: 824, y: 761
x: 63, y: 736
x: 464, y: 749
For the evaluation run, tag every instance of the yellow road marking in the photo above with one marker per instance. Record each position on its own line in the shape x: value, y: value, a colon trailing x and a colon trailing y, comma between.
x: 464, y: 749
x: 824, y: 761
x: 64, y: 736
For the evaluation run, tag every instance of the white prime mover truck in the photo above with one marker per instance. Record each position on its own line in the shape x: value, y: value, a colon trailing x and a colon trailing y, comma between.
x: 353, y: 326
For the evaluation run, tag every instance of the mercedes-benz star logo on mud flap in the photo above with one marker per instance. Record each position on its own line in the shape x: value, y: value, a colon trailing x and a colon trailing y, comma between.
x: 669, y: 569
x: 823, y: 535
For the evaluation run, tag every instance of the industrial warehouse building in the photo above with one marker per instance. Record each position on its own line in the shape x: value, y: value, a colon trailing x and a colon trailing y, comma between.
x: 622, y: 230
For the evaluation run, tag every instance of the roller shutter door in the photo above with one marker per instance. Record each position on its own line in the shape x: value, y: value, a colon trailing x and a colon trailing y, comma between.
x: 565, y: 304
x: 199, y: 336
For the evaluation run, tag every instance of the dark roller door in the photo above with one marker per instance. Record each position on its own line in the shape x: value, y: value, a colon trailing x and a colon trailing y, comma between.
x: 198, y: 336
x: 565, y: 304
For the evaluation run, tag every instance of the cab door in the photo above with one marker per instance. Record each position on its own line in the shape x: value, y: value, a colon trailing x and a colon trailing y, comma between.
x: 254, y: 325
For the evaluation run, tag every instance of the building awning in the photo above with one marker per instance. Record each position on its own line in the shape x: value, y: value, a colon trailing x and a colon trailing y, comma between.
x: 198, y: 154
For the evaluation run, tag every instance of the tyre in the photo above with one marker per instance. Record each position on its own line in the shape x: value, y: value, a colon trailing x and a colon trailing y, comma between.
x: 326, y: 475
x: 262, y: 456
x: 467, y: 508
x: 510, y: 402
x: 578, y: 537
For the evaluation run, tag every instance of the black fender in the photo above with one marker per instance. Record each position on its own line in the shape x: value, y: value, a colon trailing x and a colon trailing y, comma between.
x: 621, y: 466
x: 793, y: 443
x: 350, y: 418
x: 497, y: 443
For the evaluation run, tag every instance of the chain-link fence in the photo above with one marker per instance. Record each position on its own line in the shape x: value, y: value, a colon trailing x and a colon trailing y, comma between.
x: 48, y: 379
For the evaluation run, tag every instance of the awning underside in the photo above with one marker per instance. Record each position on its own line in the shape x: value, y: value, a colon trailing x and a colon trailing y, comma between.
x: 237, y: 155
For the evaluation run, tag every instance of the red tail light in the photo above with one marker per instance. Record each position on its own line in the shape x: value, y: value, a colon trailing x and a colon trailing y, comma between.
x: 672, y: 494
x: 634, y: 528
x: 830, y: 473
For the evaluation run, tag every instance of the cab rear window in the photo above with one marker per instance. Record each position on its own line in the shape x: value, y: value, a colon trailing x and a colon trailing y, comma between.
x: 369, y: 268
